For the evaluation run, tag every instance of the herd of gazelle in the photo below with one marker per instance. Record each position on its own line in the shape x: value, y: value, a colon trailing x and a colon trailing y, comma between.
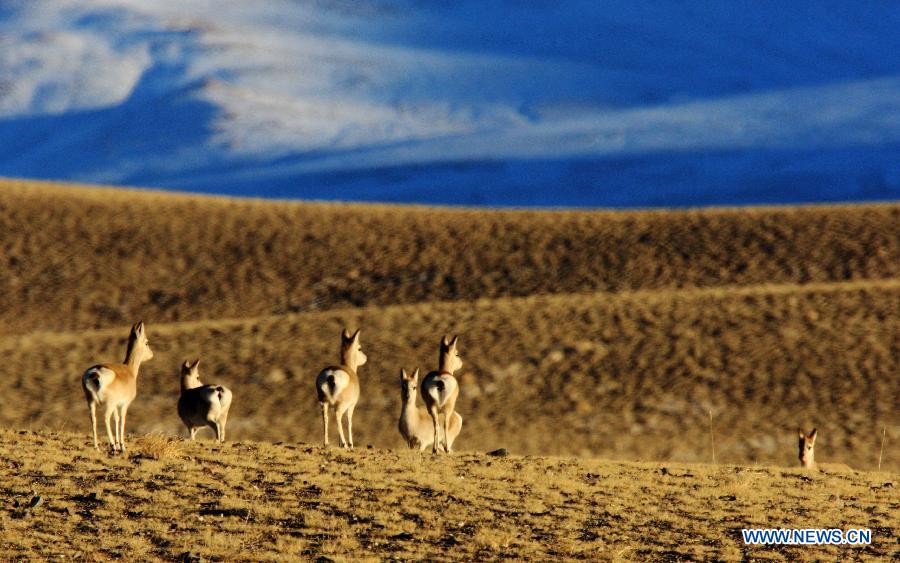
x: 114, y: 387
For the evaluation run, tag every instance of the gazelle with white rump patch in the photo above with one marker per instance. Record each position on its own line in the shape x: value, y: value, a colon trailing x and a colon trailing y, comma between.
x: 440, y: 390
x: 202, y: 405
x: 338, y: 386
x: 415, y: 422
x: 807, y: 449
x: 114, y: 386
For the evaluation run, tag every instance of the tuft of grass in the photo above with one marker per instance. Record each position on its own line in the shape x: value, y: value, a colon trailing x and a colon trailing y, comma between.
x: 158, y: 446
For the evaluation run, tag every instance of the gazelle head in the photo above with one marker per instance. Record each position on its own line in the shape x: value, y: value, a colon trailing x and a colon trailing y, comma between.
x: 190, y: 375
x: 449, y: 359
x: 351, y: 351
x: 807, y: 449
x: 138, y: 344
x: 408, y: 385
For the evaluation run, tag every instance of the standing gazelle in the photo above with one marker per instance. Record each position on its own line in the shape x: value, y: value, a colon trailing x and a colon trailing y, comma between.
x: 807, y: 449
x: 338, y: 386
x: 202, y: 405
x: 415, y: 422
x: 115, y: 385
x: 440, y: 389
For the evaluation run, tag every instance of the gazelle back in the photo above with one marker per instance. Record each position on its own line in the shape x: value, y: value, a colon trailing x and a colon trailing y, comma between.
x: 114, y: 386
x: 415, y: 423
x: 440, y: 390
x: 338, y: 386
x: 202, y: 405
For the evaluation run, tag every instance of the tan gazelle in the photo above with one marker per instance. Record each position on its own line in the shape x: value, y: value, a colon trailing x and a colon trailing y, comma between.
x: 202, y: 405
x: 807, y: 449
x: 415, y: 423
x: 114, y: 386
x: 440, y: 390
x: 338, y: 386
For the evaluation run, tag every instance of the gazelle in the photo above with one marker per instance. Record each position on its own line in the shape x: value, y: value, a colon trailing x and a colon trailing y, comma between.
x: 114, y: 386
x: 202, y: 405
x: 439, y: 391
x: 807, y: 449
x: 338, y: 386
x: 415, y: 422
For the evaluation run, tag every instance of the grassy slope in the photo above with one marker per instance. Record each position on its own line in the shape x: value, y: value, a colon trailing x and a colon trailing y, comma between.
x: 72, y: 259
x: 263, y: 502
x: 628, y: 376
x: 771, y: 318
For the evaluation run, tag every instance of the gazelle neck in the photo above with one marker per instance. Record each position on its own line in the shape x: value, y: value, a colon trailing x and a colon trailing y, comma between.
x: 349, y: 359
x: 188, y: 382
x: 133, y: 355
x: 444, y: 364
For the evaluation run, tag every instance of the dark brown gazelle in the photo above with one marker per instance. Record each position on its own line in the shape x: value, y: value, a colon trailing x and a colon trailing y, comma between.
x: 202, y: 405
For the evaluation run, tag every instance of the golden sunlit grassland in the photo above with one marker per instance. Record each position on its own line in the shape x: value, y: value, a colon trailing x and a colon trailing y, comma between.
x: 589, y: 334
x: 248, y: 501
x: 627, y: 376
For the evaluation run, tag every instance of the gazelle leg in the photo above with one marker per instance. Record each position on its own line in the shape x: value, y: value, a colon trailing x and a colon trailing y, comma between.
x: 117, y: 428
x: 109, y: 434
x: 122, y: 433
x: 447, y: 416
x: 93, y: 408
x: 339, y: 414
x: 350, y: 424
x: 193, y: 433
x: 325, y: 420
x: 222, y: 420
x: 437, y: 434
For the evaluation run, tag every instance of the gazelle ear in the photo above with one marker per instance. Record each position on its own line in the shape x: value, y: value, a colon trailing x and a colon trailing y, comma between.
x: 355, y: 336
x: 186, y: 365
x: 195, y: 364
x: 138, y: 327
x: 415, y: 375
x: 454, y: 341
x: 444, y: 341
x: 403, y: 376
x: 345, y: 334
x: 802, y: 434
x: 813, y: 434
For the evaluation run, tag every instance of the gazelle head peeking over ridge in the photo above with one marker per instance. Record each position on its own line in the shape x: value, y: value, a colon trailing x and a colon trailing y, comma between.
x: 807, y: 446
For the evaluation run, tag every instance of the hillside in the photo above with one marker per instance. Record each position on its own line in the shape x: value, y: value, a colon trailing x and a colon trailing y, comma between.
x: 249, y: 501
x: 610, y: 334
x: 78, y: 259
x: 627, y: 376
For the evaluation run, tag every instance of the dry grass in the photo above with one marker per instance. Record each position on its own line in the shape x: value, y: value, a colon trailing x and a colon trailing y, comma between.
x: 263, y: 502
x: 74, y: 259
x: 590, y: 334
x: 627, y: 376
x: 157, y: 446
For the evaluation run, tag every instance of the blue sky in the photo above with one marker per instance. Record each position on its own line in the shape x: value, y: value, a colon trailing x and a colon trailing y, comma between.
x: 467, y: 103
